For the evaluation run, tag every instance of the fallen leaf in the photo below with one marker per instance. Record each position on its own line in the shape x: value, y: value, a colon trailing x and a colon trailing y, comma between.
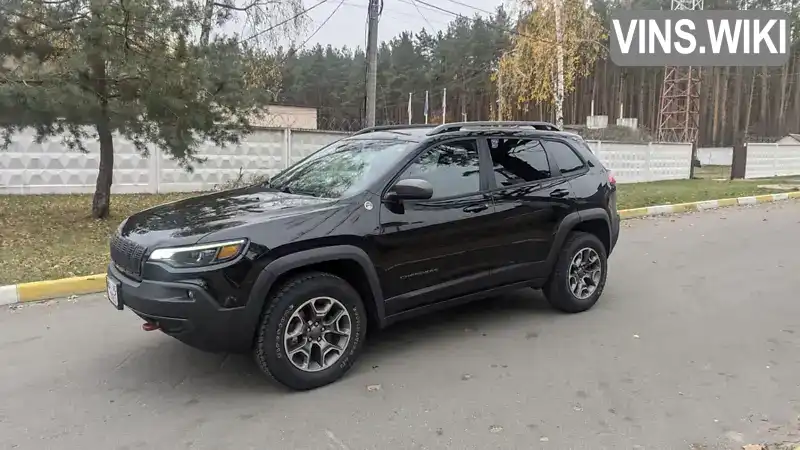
x: 373, y: 387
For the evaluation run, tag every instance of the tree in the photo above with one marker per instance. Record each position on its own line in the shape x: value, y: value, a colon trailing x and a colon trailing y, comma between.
x: 96, y: 68
x: 556, y: 43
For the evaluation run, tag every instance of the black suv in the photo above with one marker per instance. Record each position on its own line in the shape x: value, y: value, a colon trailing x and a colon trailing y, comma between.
x: 383, y: 225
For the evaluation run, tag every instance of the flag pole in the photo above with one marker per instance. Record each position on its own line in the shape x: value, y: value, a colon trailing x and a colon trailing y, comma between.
x: 409, y: 108
x: 444, y: 106
x: 426, y: 107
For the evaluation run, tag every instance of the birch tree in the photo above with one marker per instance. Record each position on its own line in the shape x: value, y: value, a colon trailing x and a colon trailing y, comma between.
x: 556, y: 42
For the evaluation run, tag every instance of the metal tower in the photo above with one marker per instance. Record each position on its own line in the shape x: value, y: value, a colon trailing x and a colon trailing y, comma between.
x: 679, y: 112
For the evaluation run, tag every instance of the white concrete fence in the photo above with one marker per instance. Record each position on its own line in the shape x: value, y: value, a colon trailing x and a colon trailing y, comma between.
x: 772, y: 160
x: 49, y: 168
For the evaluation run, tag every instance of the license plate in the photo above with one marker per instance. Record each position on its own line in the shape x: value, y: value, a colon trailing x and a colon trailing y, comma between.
x: 112, y: 288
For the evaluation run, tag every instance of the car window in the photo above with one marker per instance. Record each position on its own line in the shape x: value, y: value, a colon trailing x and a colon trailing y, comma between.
x: 564, y: 156
x: 518, y: 161
x: 451, y: 168
x: 342, y: 168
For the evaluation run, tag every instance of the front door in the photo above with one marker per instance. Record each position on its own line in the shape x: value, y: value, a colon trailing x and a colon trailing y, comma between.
x: 531, y: 198
x: 432, y: 250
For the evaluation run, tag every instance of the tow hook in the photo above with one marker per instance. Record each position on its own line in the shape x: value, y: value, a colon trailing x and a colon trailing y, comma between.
x: 148, y: 326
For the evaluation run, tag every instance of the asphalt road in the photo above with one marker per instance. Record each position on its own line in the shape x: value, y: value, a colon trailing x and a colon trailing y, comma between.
x: 694, y: 343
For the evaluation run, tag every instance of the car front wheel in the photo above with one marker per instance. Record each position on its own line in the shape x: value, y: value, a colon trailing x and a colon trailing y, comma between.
x: 579, y: 275
x: 312, y: 331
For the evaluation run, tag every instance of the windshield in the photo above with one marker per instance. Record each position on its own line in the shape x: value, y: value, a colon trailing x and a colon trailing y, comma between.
x: 341, y: 169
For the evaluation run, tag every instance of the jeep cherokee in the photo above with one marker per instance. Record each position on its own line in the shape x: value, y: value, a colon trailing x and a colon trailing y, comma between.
x: 383, y: 225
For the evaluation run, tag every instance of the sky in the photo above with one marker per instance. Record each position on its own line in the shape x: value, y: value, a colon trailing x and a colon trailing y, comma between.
x: 347, y: 26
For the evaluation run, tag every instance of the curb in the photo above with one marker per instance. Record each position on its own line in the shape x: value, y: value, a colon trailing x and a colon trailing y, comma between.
x: 90, y: 284
x: 49, y: 289
x: 703, y: 205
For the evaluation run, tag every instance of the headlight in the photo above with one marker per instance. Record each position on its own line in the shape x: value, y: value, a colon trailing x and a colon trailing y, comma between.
x: 199, y: 255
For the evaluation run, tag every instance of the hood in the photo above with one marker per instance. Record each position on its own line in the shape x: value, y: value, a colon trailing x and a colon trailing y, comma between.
x: 185, y: 222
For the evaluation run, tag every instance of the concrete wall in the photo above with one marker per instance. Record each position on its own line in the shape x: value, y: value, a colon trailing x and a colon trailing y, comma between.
x: 49, y: 168
x: 772, y: 160
x: 636, y: 163
x: 715, y: 156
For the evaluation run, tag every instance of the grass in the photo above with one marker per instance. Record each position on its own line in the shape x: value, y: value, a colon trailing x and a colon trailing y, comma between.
x: 45, y: 237
x: 636, y: 195
x: 713, y: 172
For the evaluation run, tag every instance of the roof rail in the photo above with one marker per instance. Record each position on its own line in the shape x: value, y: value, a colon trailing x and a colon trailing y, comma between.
x: 455, y: 126
x: 390, y: 127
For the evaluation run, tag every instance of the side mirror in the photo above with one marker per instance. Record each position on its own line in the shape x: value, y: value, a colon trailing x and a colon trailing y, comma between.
x: 411, y: 189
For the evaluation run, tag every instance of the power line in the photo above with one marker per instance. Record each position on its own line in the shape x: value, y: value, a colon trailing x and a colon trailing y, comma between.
x: 301, y: 13
x: 324, y: 22
x: 422, y: 15
x: 395, y: 14
x: 470, y: 6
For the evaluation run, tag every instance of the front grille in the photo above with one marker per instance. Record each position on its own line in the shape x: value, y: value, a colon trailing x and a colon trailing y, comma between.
x: 127, y: 256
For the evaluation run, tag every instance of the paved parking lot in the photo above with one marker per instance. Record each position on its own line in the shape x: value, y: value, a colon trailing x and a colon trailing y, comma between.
x: 693, y: 345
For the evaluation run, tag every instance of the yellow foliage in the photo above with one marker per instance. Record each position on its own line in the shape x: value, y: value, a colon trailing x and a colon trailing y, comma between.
x: 529, y: 68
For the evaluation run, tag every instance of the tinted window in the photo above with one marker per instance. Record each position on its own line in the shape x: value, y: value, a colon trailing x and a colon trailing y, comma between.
x: 518, y: 161
x: 451, y: 168
x: 564, y: 156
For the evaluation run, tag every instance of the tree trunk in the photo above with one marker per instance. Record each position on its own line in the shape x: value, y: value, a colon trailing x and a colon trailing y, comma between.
x: 737, y: 105
x: 205, y: 25
x: 763, y: 119
x: 784, y: 95
x: 797, y: 89
x: 559, y: 100
x: 642, y: 81
x: 715, y: 120
x: 749, y: 105
x: 724, y: 105
x: 101, y: 201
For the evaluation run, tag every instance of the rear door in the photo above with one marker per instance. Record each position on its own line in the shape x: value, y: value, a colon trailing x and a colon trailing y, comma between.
x: 531, y: 198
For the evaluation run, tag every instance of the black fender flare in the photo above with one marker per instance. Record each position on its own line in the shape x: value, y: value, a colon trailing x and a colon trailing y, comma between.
x: 279, y: 266
x: 568, y: 224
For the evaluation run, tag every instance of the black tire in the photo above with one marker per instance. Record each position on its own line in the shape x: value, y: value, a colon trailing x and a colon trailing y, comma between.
x: 269, y: 350
x: 557, y: 289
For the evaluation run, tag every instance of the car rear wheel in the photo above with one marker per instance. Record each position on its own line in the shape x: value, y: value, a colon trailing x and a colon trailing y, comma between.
x: 579, y: 275
x: 312, y: 331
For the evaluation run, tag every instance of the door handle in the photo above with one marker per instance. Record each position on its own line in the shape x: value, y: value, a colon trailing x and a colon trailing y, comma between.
x: 475, y: 208
x: 559, y: 193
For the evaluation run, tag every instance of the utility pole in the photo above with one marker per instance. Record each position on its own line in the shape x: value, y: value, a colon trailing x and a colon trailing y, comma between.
x: 373, y: 12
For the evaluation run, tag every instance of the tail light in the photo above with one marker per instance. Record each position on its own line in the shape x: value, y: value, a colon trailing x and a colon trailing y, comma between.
x: 611, y: 179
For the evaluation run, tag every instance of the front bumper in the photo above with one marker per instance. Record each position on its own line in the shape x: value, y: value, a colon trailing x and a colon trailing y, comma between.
x: 187, y: 312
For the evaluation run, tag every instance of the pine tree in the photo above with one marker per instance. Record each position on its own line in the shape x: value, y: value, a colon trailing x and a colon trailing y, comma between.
x: 93, y: 69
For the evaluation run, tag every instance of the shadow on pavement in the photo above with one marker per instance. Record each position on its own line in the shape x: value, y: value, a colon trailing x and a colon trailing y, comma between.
x: 171, y: 363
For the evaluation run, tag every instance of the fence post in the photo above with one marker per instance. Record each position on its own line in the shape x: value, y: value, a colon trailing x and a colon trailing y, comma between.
x: 775, y: 154
x: 287, y: 147
x: 154, y: 172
